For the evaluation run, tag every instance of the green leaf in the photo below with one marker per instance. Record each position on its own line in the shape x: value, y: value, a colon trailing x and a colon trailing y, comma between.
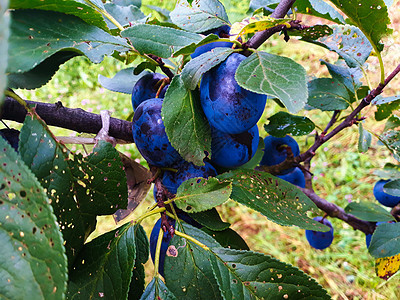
x: 385, y: 106
x: 4, y: 33
x: 275, y: 76
x: 278, y: 200
x: 104, y: 266
x: 49, y: 161
x: 136, y: 287
x: 283, y: 123
x: 187, y: 266
x: 200, y: 194
x: 228, y: 238
x: 328, y: 94
x: 392, y: 187
x: 164, y: 13
x: 185, y: 123
x: 255, y: 160
x: 195, y: 68
x: 210, y: 219
x: 391, y: 139
x: 79, y: 188
x: 318, y: 8
x: 137, y: 3
x: 32, y: 262
x: 145, y: 65
x: 313, y: 32
x: 33, y: 34
x: 368, y: 211
x: 199, y: 16
x: 250, y: 275
x: 157, y: 289
x: 392, y: 123
x: 364, y: 139
x: 72, y: 7
x: 371, y: 16
x: 192, y: 47
x: 42, y: 73
x: 122, y: 82
x: 158, y: 40
x: 385, y: 241
x: 124, y: 15
x: 350, y: 77
x: 349, y: 42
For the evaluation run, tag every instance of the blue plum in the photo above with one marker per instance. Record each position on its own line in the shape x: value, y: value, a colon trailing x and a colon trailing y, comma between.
x: 275, y: 152
x: 320, y: 240
x: 146, y: 88
x: 164, y: 244
x: 149, y: 135
x: 186, y: 170
x: 368, y: 237
x: 295, y: 177
x: 227, y: 106
x: 233, y: 150
x: 384, y: 198
x: 11, y: 136
x: 221, y: 32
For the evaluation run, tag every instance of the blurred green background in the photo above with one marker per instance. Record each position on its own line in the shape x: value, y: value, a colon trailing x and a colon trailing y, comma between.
x: 341, y: 174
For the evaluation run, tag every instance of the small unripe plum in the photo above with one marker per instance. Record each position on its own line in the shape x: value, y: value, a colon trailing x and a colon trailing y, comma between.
x: 164, y: 244
x: 233, y: 150
x: 186, y: 170
x: 275, y: 151
x: 384, y: 198
x: 320, y: 240
x: 146, y: 88
x: 295, y: 177
x: 11, y: 136
x: 149, y: 135
x: 227, y: 106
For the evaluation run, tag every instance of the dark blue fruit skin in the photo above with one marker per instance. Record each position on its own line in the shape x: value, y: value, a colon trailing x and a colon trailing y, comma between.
x: 274, y: 153
x: 233, y: 150
x: 224, y: 30
x: 164, y: 245
x: 295, y: 177
x: 186, y: 171
x: 149, y: 135
x: 146, y: 88
x: 11, y: 136
x: 320, y: 240
x: 368, y: 237
x: 384, y: 198
x: 228, y: 107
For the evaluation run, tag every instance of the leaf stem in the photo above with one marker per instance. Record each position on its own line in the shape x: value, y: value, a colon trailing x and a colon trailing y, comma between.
x: 17, y: 98
x: 146, y: 215
x: 193, y: 240
x: 158, y: 250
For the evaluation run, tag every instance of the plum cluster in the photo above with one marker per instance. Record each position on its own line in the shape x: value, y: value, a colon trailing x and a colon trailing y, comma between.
x: 232, y: 113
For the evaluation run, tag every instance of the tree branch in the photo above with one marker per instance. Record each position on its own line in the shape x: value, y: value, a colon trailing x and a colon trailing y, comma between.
x: 337, y: 212
x: 70, y: 118
x: 260, y: 37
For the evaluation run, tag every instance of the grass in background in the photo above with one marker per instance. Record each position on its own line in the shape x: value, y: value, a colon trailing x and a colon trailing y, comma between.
x: 341, y: 174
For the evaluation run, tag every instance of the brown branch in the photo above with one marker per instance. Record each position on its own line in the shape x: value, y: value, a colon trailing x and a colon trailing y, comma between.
x: 167, y: 71
x: 280, y: 12
x: 335, y: 211
x: 70, y: 118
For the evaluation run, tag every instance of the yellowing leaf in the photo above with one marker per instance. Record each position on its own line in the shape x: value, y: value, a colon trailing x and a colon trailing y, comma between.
x: 387, y: 266
x: 254, y: 24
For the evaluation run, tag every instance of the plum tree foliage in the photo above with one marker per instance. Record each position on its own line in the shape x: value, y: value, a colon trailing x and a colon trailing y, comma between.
x: 198, y: 85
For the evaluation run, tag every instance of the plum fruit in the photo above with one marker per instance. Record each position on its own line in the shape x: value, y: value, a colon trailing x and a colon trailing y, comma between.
x: 227, y: 106
x: 384, y: 198
x: 164, y: 244
x: 186, y: 170
x: 233, y: 150
x: 295, y: 177
x: 146, y: 88
x: 11, y: 136
x: 149, y: 135
x: 275, y: 151
x: 221, y: 32
x: 320, y: 240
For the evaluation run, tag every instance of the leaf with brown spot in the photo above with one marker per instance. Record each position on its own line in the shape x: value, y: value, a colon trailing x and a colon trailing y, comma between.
x: 387, y: 266
x: 278, y: 200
